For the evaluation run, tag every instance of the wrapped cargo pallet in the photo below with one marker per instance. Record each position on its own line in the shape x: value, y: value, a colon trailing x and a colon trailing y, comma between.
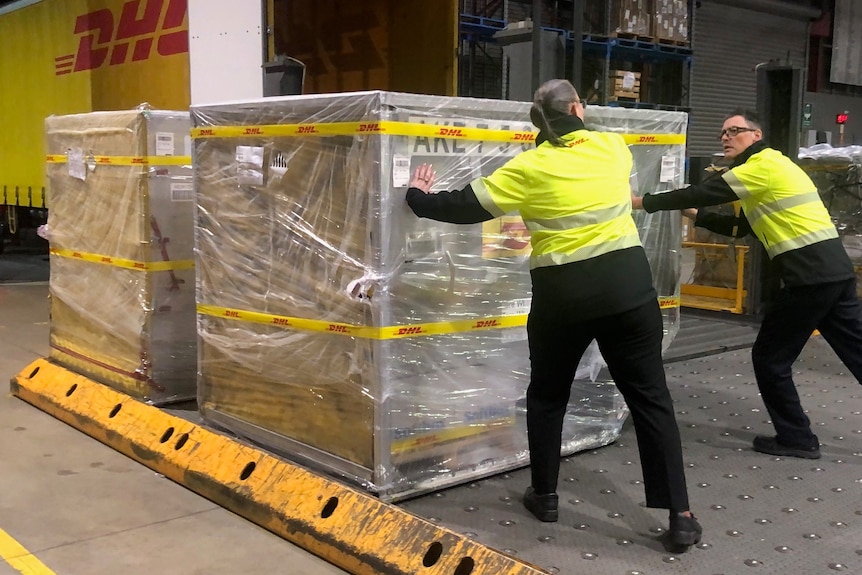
x: 837, y: 173
x: 337, y: 328
x: 122, y: 248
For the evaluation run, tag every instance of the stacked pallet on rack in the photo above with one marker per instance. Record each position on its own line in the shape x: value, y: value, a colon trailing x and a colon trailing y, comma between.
x: 670, y: 22
x: 624, y: 86
x: 630, y: 18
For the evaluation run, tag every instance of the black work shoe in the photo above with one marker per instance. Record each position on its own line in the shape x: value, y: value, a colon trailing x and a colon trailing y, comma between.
x: 684, y: 531
x: 772, y: 446
x: 544, y: 507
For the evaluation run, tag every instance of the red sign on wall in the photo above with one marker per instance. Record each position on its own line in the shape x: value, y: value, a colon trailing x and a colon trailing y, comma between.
x: 106, y: 39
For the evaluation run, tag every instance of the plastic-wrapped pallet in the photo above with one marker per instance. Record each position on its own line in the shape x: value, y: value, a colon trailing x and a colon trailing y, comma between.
x: 121, y: 224
x: 837, y: 173
x: 339, y: 329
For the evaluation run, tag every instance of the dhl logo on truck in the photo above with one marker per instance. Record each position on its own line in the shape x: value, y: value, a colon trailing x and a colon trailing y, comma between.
x: 647, y: 140
x: 106, y: 39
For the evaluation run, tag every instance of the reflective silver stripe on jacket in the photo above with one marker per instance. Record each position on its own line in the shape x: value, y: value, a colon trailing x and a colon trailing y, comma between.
x: 736, y: 185
x: 763, y: 210
x: 581, y: 220
x: 484, y: 197
x: 802, y: 241
x: 585, y: 253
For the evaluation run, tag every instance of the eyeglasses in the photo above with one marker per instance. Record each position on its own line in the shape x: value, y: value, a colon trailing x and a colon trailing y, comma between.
x: 734, y: 131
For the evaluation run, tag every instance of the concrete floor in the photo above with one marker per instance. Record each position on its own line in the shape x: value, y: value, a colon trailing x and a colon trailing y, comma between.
x: 82, y: 508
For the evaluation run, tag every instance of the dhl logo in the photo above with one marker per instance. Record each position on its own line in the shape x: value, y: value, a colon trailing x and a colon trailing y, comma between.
x: 108, y: 39
x: 139, y: 265
x: 253, y: 132
x: 576, y: 142
x: 666, y: 302
x: 306, y: 130
x: 103, y: 160
x: 451, y: 132
x: 647, y: 140
x: 206, y: 132
x: 525, y: 137
x: 138, y: 161
x: 373, y: 127
x: 280, y: 321
x: 482, y: 323
x: 231, y: 313
x: 337, y: 328
x: 106, y: 260
x: 409, y: 330
x: 51, y: 159
x: 77, y: 255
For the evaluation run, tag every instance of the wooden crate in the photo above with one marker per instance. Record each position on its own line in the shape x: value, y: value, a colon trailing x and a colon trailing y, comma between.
x: 624, y: 85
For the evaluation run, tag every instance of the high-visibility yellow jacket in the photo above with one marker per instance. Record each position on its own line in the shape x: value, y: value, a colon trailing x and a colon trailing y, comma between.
x: 781, y: 207
x: 781, y: 202
x: 574, y: 199
x: 587, y: 260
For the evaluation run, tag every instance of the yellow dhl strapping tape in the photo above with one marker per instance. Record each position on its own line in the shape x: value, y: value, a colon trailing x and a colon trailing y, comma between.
x: 124, y: 263
x: 126, y: 160
x: 391, y: 128
x: 439, y: 436
x: 386, y: 332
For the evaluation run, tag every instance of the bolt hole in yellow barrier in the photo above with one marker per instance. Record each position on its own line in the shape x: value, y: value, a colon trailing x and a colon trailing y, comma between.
x: 465, y: 567
x: 435, y: 550
x: 247, y: 470
x: 34, y: 372
x: 181, y: 441
x: 72, y: 390
x: 166, y: 435
x: 329, y: 508
x: 116, y: 410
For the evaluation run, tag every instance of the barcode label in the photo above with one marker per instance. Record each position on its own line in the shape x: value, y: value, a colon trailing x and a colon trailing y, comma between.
x: 182, y: 192
x: 400, y: 171
x: 164, y: 144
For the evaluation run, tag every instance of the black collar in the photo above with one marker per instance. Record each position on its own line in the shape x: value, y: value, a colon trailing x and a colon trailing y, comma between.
x: 754, y: 148
x: 561, y: 125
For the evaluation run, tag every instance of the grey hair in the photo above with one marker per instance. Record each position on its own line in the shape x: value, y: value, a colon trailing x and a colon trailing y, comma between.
x: 552, y: 100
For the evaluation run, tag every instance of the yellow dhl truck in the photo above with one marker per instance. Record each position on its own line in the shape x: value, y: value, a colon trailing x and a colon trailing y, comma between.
x: 73, y: 56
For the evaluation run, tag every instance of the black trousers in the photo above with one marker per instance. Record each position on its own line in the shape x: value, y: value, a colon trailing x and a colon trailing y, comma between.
x: 796, y: 312
x: 630, y: 343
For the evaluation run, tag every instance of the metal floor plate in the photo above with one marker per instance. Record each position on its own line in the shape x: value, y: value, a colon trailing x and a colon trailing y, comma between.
x: 761, y: 514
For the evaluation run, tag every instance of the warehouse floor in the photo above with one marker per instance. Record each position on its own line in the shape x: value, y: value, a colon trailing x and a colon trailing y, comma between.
x: 78, y: 507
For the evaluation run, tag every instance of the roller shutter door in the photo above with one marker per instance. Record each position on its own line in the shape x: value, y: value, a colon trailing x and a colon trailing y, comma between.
x: 728, y: 42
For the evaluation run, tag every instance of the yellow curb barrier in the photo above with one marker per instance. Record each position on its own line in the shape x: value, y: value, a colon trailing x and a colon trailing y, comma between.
x: 349, y: 528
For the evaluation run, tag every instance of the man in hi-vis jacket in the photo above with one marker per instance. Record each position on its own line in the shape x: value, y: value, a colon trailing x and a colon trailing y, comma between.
x: 781, y: 206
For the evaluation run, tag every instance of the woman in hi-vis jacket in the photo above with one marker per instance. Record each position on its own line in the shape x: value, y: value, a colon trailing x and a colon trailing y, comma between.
x: 590, y: 280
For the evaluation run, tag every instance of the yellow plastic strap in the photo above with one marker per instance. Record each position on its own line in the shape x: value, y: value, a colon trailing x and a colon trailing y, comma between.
x: 388, y: 128
x: 391, y: 128
x: 653, y: 139
x: 124, y: 263
x: 126, y: 160
x: 387, y: 332
x: 445, y: 435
